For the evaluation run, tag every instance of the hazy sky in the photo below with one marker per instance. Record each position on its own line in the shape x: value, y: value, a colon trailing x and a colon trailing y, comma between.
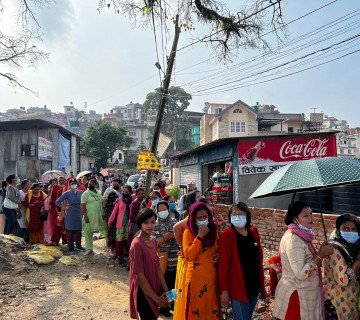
x: 101, y: 59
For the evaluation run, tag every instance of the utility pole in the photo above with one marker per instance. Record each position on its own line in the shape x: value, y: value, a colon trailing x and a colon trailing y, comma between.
x: 164, y: 93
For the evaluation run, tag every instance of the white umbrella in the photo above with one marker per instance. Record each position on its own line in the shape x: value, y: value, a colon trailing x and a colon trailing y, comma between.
x: 48, y: 175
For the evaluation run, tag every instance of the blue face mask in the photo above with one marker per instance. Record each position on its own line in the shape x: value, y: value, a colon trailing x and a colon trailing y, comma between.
x: 304, y: 228
x: 202, y: 223
x: 238, y: 221
x: 350, y: 237
x: 155, y: 202
x: 18, y: 180
x: 172, y: 206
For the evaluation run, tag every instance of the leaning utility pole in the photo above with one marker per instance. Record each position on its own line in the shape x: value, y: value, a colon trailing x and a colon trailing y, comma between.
x: 164, y: 93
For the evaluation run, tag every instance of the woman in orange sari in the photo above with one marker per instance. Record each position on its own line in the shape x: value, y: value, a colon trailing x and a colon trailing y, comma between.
x: 200, y: 249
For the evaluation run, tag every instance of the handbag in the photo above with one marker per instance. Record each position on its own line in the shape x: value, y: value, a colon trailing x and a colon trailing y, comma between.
x: 133, y: 228
x: 44, y: 215
x: 163, y: 260
x: 8, y: 204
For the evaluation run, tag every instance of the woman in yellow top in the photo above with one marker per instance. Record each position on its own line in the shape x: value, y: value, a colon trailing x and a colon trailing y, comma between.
x: 201, y: 253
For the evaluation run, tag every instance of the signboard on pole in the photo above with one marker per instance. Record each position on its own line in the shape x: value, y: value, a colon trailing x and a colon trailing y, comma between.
x: 163, y: 144
x: 266, y: 156
x: 45, y: 151
x: 148, y: 161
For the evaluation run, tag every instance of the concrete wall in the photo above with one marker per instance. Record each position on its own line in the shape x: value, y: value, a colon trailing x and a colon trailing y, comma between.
x: 271, y: 226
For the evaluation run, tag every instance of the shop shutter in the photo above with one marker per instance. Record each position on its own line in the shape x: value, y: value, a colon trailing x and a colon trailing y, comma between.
x: 188, y: 174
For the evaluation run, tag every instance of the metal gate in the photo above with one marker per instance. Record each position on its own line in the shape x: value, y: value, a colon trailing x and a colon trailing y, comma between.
x: 189, y: 173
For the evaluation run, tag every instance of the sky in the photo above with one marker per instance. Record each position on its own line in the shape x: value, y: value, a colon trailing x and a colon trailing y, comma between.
x: 101, y: 59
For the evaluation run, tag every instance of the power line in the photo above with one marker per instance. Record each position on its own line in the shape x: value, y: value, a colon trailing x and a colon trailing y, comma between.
x: 332, y: 34
x: 283, y: 64
x: 286, y: 24
x: 287, y: 75
x: 243, y: 19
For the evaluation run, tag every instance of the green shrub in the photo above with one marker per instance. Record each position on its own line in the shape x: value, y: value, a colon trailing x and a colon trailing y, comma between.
x: 174, y: 192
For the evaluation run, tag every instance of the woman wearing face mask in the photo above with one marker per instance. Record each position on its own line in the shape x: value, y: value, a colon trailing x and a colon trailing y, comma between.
x: 73, y: 219
x: 341, y: 269
x: 300, y: 293
x: 92, y: 212
x: 164, y: 235
x: 11, y: 203
x: 155, y: 197
x: 34, y: 202
x: 122, y: 233
x: 241, y: 273
x: 200, y: 250
x: 22, y: 232
x: 172, y: 207
x: 110, y: 198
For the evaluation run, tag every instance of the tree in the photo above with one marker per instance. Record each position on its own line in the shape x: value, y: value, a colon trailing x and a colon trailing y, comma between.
x: 176, y: 103
x: 230, y: 29
x: 102, y: 140
x: 19, y: 49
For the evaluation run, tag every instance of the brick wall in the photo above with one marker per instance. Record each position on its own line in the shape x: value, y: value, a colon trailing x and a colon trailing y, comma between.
x: 271, y: 226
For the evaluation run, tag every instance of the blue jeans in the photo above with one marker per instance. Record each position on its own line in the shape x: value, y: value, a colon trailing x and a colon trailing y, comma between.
x: 10, y: 223
x: 243, y: 310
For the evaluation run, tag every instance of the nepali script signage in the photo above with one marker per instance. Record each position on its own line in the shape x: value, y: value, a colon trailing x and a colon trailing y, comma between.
x: 266, y: 156
x: 45, y: 151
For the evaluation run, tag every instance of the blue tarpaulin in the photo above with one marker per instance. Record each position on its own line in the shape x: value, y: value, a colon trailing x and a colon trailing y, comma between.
x: 64, y: 152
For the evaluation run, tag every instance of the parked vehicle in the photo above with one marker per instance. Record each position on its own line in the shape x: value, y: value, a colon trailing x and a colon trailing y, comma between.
x: 133, y: 180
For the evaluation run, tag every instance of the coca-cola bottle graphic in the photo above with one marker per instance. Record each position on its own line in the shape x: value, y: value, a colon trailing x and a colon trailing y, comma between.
x: 250, y: 155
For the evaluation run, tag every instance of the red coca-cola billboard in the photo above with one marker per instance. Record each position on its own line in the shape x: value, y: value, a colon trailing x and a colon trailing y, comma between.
x: 266, y: 156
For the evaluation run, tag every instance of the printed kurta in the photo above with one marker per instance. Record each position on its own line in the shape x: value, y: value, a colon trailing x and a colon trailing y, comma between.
x: 201, y: 279
x: 35, y: 224
x: 341, y: 287
x: 299, y: 273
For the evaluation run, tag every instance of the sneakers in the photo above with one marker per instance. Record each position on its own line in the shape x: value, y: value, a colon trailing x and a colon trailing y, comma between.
x: 70, y: 253
x: 81, y: 249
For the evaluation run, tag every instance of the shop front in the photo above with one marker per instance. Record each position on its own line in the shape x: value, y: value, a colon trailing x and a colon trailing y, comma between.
x: 230, y: 170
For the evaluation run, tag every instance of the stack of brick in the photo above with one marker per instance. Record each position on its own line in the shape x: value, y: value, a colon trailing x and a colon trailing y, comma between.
x: 271, y: 226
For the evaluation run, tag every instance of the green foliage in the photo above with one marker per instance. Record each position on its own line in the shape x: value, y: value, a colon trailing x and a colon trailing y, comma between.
x: 174, y: 125
x: 102, y: 140
x: 79, y: 114
x: 142, y: 147
x: 174, y: 192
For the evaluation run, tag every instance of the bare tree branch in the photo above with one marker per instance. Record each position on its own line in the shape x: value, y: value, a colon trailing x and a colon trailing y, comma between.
x: 19, y: 50
x: 230, y: 31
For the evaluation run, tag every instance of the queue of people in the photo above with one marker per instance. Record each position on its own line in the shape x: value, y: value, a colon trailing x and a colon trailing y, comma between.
x: 215, y: 268
x: 185, y: 262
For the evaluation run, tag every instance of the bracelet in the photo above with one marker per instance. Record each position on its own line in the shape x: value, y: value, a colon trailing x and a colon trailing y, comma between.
x: 321, y: 259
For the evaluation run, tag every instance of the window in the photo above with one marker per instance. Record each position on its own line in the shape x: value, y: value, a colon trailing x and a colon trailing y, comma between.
x: 290, y: 129
x: 341, y: 151
x: 237, y: 126
x: 129, y: 113
x: 133, y: 145
x: 132, y: 133
x: 218, y: 110
x: 349, y: 151
x: 237, y: 110
x: 28, y: 150
x: 120, y: 156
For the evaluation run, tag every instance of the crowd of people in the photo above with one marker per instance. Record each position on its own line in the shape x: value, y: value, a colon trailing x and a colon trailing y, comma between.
x: 182, y: 258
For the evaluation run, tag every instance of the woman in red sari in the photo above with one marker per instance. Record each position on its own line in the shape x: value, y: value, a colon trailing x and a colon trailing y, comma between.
x: 34, y: 201
x: 59, y: 232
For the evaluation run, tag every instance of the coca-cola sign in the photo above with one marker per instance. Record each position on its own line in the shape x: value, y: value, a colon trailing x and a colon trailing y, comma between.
x: 264, y: 156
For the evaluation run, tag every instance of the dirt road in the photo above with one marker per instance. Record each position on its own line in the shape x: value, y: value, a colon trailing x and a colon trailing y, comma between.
x: 97, y: 288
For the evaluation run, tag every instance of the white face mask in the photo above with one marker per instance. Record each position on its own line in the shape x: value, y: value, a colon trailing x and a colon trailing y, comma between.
x: 73, y: 186
x: 163, y: 214
x: 238, y: 221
